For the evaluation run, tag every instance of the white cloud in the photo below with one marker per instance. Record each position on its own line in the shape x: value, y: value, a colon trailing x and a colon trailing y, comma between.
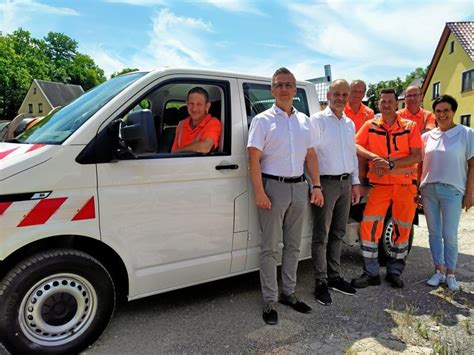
x: 139, y: 2
x: 236, y: 6
x: 18, y: 13
x: 107, y: 61
x: 226, y: 5
x: 360, y: 36
x: 176, y: 41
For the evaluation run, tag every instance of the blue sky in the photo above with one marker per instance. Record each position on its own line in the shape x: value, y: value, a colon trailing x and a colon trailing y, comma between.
x: 370, y: 40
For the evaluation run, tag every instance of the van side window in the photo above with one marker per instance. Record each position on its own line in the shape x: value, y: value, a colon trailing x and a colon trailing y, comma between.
x: 258, y: 98
x: 167, y: 103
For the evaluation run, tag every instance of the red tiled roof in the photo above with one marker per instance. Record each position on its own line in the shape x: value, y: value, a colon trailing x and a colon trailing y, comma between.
x: 464, y: 32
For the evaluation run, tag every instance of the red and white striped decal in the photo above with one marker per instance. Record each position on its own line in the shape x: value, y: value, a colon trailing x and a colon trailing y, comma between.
x: 19, y: 150
x: 42, y: 211
x: 4, y: 206
x: 7, y: 152
x: 55, y: 210
x: 86, y: 212
x: 34, y: 147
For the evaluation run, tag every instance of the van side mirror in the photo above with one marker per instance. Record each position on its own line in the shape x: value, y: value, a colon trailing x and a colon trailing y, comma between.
x: 137, y: 134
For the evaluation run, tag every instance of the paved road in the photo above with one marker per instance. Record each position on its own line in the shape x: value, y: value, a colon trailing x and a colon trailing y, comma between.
x: 225, y: 316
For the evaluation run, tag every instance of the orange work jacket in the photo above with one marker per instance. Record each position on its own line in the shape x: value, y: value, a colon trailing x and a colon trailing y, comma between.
x: 390, y: 142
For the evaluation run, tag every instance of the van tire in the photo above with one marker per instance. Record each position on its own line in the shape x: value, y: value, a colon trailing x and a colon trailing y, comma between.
x: 386, y: 241
x: 57, y: 301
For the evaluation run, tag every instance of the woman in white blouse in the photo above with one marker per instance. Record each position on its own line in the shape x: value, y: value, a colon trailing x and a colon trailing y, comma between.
x: 447, y: 185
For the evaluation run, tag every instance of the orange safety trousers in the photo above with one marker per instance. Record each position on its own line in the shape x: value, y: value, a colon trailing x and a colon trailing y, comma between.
x: 402, y: 199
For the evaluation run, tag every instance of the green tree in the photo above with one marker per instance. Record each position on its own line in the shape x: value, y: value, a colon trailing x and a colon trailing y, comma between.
x: 373, y: 91
x: 123, y: 71
x: 60, y: 47
x: 32, y: 53
x: 55, y: 58
x: 83, y: 71
x: 14, y: 78
x: 417, y: 73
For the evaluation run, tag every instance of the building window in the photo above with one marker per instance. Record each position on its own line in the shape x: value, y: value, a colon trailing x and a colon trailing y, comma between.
x: 436, y: 90
x: 451, y: 47
x: 40, y: 108
x: 34, y: 91
x: 467, y: 80
x: 466, y: 120
x: 30, y: 108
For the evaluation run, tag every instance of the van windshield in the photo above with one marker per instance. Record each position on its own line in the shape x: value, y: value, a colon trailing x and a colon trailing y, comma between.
x: 59, y: 124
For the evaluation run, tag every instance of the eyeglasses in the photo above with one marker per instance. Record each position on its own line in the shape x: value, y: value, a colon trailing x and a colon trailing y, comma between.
x: 411, y: 96
x: 287, y: 85
x: 445, y: 111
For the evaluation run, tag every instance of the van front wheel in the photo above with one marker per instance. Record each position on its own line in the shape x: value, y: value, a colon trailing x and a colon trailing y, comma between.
x: 55, y: 302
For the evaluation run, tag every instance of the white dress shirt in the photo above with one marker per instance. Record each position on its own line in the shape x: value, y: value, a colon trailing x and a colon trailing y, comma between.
x: 284, y: 141
x: 445, y: 156
x: 334, y: 139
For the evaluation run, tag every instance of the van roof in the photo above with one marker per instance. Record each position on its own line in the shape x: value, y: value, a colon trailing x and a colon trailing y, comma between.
x: 160, y: 72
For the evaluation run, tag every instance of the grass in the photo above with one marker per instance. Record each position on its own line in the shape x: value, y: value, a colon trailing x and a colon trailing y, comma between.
x: 422, y: 330
x: 438, y: 317
x: 439, y: 348
x: 468, y: 326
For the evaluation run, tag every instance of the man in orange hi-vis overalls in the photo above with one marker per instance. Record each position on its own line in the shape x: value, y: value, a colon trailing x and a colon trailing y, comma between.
x: 393, y: 147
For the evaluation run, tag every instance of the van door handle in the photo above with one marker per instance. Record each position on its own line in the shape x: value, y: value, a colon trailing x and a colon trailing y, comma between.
x: 224, y: 167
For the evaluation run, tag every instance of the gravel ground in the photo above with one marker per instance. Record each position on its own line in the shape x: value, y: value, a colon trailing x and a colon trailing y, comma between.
x: 225, y: 316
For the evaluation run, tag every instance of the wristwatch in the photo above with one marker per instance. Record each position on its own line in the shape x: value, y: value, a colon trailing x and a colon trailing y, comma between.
x: 391, y: 164
x: 317, y: 187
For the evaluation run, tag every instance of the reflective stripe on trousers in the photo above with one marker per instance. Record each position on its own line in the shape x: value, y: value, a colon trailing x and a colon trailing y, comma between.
x: 402, y: 199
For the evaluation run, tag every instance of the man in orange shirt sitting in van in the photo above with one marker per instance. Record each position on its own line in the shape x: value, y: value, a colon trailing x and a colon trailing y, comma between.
x: 199, y: 132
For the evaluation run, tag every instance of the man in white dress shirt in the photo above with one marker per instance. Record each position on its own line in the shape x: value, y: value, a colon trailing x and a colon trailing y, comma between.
x: 334, y: 140
x: 279, y: 146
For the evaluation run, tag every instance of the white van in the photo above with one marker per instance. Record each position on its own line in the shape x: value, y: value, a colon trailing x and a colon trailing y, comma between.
x: 94, y: 205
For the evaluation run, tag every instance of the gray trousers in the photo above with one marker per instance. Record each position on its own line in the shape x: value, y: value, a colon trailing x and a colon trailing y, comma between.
x: 284, y: 221
x: 329, y: 228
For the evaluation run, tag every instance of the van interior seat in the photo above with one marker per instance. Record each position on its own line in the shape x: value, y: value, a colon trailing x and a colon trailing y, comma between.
x: 216, y: 111
x: 182, y: 113
x: 170, y: 121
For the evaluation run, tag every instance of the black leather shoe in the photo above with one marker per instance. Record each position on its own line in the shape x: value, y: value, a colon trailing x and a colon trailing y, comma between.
x: 295, y: 303
x: 365, y: 280
x: 270, y: 315
x: 394, y: 280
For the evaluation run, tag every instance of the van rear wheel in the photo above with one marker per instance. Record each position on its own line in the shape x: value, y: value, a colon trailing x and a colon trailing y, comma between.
x: 55, y: 302
x: 386, y: 240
